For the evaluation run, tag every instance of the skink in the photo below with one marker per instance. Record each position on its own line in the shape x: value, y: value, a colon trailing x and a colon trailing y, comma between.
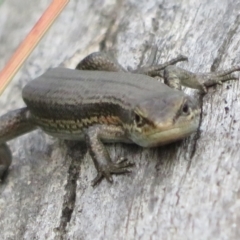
x: 101, y: 102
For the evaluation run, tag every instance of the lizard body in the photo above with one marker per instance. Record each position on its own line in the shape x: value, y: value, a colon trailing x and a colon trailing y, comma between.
x: 101, y: 102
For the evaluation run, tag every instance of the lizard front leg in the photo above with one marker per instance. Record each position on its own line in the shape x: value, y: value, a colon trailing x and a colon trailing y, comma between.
x: 94, y: 136
x: 12, y: 125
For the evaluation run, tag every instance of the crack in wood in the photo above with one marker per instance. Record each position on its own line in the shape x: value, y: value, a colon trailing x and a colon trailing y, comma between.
x: 225, y: 44
x: 196, y: 137
x: 111, y: 33
x: 70, y: 187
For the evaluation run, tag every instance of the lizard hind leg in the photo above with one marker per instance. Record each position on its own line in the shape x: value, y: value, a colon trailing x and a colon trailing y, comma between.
x: 157, y: 70
x: 214, y: 78
x: 176, y: 77
x: 5, y: 159
x: 12, y: 125
x: 100, y: 61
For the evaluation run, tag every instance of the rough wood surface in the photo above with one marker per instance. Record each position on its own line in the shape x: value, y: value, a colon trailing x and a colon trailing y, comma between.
x: 188, y: 190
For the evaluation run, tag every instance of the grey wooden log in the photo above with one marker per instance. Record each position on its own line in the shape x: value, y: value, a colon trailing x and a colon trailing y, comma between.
x: 187, y: 190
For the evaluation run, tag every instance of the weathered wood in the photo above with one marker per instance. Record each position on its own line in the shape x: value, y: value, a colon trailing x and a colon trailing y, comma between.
x: 188, y: 190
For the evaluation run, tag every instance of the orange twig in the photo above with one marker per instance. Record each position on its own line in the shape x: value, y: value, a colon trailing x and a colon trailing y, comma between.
x: 30, y: 42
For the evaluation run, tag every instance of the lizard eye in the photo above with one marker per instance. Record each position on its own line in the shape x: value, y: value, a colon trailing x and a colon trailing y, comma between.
x: 185, y: 109
x: 138, y: 120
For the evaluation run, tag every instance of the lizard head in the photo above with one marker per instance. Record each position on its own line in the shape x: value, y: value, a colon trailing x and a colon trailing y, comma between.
x: 160, y: 120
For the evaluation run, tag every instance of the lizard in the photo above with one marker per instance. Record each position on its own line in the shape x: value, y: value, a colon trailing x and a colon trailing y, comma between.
x: 100, y: 102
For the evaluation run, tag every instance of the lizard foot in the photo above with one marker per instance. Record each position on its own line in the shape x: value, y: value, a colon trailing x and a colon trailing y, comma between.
x: 120, y: 167
x: 214, y: 78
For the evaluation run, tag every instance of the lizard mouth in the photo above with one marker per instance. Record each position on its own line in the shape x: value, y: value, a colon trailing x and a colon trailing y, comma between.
x: 167, y: 136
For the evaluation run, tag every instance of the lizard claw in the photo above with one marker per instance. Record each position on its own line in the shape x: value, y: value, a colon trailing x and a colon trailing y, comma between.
x: 217, y: 78
x: 119, y: 167
x: 97, y: 179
